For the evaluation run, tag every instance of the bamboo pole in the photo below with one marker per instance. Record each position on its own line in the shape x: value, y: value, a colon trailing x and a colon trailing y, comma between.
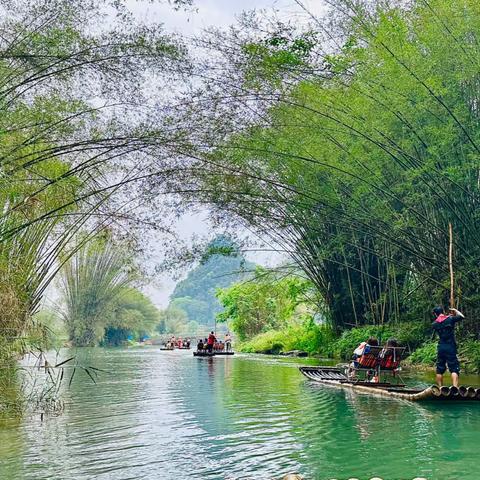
x: 445, y: 391
x: 453, y: 391
x: 450, y: 264
x: 435, y: 389
x: 471, y: 392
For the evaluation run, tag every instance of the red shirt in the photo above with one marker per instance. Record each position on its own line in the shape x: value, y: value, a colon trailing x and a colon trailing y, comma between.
x: 211, y: 339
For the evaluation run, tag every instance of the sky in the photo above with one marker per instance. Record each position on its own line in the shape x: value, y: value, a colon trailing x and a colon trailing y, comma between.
x: 191, y: 22
x: 220, y: 13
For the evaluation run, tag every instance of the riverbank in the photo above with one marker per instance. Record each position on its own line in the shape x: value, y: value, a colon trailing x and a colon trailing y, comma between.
x: 321, y: 341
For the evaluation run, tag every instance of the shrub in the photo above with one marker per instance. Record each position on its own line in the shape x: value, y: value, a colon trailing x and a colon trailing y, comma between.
x: 307, y: 336
x: 350, y: 339
x: 470, y: 353
x: 411, y: 334
x: 272, y: 341
x: 425, y: 355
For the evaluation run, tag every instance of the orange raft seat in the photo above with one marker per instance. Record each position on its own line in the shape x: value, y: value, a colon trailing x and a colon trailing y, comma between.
x: 369, y: 358
x: 377, y: 361
x: 390, y: 358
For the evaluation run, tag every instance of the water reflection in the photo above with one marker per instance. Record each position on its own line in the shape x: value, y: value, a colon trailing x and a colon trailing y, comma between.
x: 169, y: 414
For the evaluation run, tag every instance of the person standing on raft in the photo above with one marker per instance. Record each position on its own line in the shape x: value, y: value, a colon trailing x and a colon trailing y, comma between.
x: 211, y: 342
x: 444, y: 326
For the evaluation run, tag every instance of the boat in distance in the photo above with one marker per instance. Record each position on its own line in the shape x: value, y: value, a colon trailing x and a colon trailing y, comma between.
x: 204, y: 353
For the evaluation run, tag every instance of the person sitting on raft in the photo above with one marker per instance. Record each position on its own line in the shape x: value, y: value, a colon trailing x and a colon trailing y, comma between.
x: 363, y: 348
x: 387, y: 355
x: 444, y: 327
x: 200, y: 346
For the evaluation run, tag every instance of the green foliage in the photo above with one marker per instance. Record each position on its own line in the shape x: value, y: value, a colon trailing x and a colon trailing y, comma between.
x: 306, y: 336
x: 350, y: 339
x: 408, y: 334
x: 48, y: 331
x: 412, y: 334
x: 60, y: 145
x: 267, y: 59
x: 425, y: 355
x: 359, y: 161
x: 172, y: 320
x: 195, y: 309
x: 131, y: 316
x: 470, y: 354
x: 264, y: 303
x: 91, y: 282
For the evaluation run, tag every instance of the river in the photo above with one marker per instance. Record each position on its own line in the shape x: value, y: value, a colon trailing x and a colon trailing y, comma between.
x: 159, y: 414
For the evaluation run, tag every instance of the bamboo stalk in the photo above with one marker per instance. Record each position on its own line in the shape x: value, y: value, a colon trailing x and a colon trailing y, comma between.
x: 435, y: 389
x: 450, y: 264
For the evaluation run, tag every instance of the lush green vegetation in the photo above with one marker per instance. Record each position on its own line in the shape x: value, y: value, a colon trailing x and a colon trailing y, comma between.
x: 100, y: 303
x: 73, y: 122
x: 131, y: 317
x: 351, y: 145
x: 276, y: 314
x: 266, y: 302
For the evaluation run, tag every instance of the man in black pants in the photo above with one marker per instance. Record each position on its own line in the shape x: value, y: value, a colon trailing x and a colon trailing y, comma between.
x: 444, y: 326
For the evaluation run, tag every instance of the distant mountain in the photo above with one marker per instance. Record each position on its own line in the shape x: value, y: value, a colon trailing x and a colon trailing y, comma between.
x: 222, y: 265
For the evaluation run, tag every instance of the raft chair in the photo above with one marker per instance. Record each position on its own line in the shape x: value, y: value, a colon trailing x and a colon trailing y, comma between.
x: 389, y: 361
x: 369, y: 361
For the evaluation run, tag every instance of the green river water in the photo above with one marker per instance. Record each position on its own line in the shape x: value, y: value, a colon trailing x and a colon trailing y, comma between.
x: 169, y: 415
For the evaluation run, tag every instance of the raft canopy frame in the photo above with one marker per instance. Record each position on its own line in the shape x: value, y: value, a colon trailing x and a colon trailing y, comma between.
x: 375, y: 363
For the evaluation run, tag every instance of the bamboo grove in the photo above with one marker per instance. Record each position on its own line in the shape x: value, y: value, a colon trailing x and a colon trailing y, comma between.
x: 349, y: 142
x: 76, y: 126
x: 350, y: 145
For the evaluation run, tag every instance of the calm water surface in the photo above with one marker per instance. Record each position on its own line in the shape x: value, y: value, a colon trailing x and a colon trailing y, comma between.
x: 170, y: 415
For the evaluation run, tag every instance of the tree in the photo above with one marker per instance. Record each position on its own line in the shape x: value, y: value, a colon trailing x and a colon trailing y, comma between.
x: 132, y: 315
x: 91, y: 283
x: 266, y: 302
x: 172, y: 320
x: 221, y: 265
x: 75, y: 129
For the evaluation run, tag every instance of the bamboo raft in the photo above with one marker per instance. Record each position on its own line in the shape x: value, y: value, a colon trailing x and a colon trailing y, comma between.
x: 336, y: 377
x: 208, y: 354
